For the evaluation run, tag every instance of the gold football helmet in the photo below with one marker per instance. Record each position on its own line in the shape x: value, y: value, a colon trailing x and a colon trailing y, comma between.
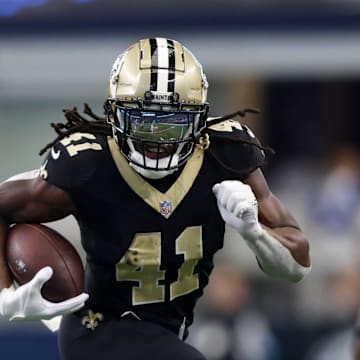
x: 157, y: 105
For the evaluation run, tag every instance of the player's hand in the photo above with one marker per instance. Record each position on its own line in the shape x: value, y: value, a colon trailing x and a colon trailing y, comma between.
x: 238, y: 207
x: 26, y: 301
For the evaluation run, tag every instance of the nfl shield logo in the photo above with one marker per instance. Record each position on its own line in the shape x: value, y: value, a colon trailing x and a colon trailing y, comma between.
x: 165, y: 207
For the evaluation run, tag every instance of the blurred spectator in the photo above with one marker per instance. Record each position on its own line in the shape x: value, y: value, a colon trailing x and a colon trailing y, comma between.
x: 327, y: 205
x: 336, y: 202
x: 336, y: 346
x: 334, y: 221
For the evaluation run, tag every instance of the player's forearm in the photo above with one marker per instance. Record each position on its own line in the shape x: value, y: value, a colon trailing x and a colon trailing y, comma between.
x: 279, y: 255
x: 294, y: 240
x: 5, y: 279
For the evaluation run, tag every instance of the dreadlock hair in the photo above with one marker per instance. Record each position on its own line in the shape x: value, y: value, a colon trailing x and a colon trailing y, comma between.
x: 99, y: 125
x: 267, y: 150
x: 76, y: 122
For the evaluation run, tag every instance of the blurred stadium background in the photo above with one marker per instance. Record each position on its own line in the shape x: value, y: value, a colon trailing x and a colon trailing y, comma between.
x: 296, y: 61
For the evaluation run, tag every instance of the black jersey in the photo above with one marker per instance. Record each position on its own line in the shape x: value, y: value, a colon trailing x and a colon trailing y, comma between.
x: 149, y: 244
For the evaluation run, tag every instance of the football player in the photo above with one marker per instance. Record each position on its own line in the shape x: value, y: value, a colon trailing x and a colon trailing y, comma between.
x: 151, y: 186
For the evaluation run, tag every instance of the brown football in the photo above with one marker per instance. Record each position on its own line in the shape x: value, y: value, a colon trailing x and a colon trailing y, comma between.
x: 31, y: 247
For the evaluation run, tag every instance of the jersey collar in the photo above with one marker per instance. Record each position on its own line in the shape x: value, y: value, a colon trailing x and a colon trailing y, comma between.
x: 164, y: 203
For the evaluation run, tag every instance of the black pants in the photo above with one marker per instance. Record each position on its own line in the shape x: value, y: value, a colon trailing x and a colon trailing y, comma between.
x: 121, y: 339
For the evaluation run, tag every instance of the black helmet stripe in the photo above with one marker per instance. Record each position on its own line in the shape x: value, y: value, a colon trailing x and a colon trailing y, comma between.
x: 154, y: 65
x: 171, y: 75
x: 162, y: 57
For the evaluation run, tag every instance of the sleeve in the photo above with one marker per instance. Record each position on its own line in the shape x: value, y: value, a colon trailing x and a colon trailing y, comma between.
x: 71, y: 162
x: 236, y: 147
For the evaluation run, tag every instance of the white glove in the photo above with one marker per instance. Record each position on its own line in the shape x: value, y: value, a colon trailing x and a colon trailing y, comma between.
x: 238, y: 207
x: 27, y: 303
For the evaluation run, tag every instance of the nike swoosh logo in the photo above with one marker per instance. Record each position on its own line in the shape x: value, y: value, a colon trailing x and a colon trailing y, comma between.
x: 55, y: 154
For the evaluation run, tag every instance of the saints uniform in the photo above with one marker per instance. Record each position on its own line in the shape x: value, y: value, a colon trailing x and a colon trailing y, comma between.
x: 149, y: 243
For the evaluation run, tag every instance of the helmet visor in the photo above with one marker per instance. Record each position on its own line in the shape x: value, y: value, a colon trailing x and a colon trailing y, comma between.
x: 157, y: 126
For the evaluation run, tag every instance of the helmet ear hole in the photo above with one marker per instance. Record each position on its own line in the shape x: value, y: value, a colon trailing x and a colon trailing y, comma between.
x: 147, y: 97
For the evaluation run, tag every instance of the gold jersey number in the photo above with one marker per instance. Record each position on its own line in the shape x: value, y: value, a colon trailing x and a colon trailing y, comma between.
x: 74, y: 149
x: 142, y: 264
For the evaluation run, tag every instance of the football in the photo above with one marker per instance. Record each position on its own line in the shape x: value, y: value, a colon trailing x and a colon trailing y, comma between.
x: 31, y: 247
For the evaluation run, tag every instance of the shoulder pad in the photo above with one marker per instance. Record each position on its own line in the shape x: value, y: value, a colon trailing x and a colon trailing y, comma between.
x: 73, y: 160
x: 236, y: 146
x: 226, y: 125
x: 233, y: 129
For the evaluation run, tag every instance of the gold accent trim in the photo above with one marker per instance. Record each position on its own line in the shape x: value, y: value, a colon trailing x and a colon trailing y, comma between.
x: 147, y: 192
x: 91, y: 320
x: 204, y: 141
